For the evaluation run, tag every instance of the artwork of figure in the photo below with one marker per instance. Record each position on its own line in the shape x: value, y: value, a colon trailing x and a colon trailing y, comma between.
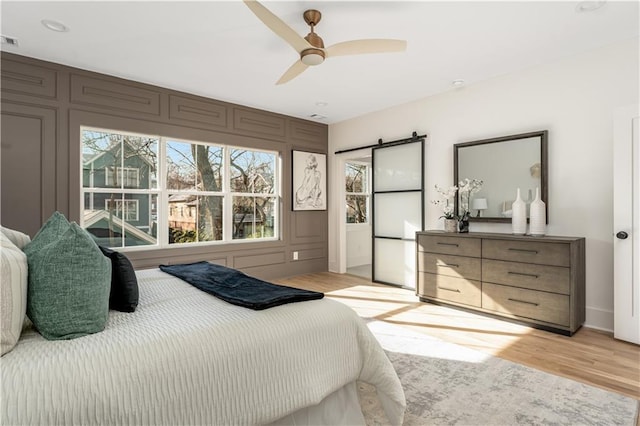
x: 309, y: 193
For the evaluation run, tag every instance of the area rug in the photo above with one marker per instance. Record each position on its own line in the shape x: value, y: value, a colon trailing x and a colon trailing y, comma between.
x: 447, y: 384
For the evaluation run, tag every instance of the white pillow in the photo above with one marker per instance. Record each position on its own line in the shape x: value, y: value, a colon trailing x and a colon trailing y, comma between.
x: 16, y: 237
x: 13, y: 292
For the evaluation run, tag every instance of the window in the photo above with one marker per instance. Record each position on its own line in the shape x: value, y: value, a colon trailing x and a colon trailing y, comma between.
x: 155, y: 191
x: 195, y: 192
x: 253, y: 193
x: 357, y: 192
x: 127, y: 209
x: 127, y: 176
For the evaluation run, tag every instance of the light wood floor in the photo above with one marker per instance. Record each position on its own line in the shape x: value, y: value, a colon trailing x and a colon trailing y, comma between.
x: 589, y: 356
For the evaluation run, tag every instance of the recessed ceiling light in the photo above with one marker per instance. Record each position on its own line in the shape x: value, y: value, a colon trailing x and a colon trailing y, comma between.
x: 589, y: 5
x: 317, y: 116
x: 55, y: 25
x: 457, y: 83
x: 322, y: 104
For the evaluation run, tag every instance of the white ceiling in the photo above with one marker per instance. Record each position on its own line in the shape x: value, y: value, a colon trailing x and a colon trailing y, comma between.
x: 221, y: 50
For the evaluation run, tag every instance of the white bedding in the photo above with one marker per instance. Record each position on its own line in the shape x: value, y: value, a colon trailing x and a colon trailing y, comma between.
x: 186, y: 357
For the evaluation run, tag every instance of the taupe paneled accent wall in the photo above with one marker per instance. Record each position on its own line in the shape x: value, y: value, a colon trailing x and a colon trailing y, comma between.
x: 43, y: 106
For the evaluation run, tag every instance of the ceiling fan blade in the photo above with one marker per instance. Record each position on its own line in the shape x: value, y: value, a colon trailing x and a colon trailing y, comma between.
x: 359, y: 47
x: 278, y: 26
x: 294, y: 70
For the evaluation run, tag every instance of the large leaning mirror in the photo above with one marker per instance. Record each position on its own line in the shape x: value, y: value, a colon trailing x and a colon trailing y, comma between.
x: 504, y: 164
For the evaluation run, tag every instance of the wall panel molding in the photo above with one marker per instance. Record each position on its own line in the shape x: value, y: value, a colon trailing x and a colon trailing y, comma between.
x: 259, y: 259
x: 28, y: 166
x: 312, y: 253
x: 307, y: 227
x: 207, y: 114
x: 259, y: 123
x: 27, y: 79
x: 307, y: 131
x: 58, y: 100
x: 118, y: 96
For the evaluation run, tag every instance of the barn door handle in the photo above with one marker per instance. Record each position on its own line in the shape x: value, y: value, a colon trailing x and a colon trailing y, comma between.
x: 622, y: 235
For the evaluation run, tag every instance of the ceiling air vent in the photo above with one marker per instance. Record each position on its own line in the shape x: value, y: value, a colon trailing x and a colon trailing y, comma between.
x: 12, y: 41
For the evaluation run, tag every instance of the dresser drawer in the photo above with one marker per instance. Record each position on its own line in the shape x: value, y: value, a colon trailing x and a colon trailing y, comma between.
x: 450, y: 265
x: 542, y: 306
x: 450, y: 289
x: 557, y: 254
x: 555, y: 279
x: 458, y: 246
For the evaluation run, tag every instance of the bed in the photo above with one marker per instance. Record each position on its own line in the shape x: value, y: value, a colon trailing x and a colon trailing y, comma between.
x: 186, y: 357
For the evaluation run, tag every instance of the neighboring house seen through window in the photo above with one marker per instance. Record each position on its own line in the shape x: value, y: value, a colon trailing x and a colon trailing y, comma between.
x: 142, y: 190
x: 127, y: 209
x: 127, y: 177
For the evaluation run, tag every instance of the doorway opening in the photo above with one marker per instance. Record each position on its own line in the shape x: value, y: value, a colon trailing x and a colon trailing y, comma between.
x: 357, y: 186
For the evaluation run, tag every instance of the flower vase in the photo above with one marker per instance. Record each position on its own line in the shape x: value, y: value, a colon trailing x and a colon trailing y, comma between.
x: 463, y: 223
x: 450, y: 225
x: 538, y: 216
x: 519, y: 216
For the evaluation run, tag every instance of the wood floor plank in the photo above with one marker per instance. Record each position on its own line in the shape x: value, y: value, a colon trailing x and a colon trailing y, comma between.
x: 589, y: 356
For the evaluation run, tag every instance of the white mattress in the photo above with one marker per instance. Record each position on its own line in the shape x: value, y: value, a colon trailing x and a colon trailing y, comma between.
x: 186, y: 357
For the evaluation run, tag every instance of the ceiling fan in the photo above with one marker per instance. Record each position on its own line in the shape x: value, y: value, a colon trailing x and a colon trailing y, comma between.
x: 311, y: 48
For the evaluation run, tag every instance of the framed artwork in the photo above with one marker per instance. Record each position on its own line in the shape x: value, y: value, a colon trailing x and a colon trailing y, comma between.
x: 309, y: 181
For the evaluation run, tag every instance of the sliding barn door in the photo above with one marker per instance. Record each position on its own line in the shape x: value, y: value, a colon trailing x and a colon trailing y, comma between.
x: 398, y: 211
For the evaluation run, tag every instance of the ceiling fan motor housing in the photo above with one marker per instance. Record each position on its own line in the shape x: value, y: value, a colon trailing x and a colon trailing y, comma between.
x: 315, y: 55
x: 312, y: 56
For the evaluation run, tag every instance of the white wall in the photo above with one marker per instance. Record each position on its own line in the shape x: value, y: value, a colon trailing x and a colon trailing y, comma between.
x: 358, y: 245
x: 574, y: 98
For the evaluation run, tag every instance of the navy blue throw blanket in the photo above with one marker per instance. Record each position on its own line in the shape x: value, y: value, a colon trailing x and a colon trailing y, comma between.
x: 237, y: 288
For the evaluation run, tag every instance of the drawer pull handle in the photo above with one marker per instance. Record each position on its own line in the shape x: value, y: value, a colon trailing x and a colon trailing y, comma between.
x: 524, y: 250
x: 447, y: 244
x: 455, y: 290
x: 449, y: 265
x: 523, y: 274
x: 523, y: 301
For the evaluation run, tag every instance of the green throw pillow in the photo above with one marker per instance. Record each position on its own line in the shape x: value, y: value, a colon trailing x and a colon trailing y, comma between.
x: 69, y: 282
x: 55, y: 226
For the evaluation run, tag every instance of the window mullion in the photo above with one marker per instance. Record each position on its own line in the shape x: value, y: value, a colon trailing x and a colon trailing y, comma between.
x: 162, y: 209
x: 227, y: 199
x: 121, y: 187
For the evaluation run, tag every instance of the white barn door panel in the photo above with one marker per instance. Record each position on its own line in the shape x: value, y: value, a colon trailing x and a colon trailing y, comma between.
x: 398, y: 211
x: 626, y: 224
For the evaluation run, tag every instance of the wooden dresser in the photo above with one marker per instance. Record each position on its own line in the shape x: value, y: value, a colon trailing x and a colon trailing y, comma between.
x: 537, y: 280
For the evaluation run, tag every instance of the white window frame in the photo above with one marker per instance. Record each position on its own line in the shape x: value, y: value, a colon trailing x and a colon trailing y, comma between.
x: 274, y: 195
x: 119, y: 203
x: 162, y: 193
x: 366, y: 193
x: 198, y: 193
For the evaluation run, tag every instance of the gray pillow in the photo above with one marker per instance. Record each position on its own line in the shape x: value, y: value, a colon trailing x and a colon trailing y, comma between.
x: 69, y: 281
x: 13, y: 292
x: 16, y: 237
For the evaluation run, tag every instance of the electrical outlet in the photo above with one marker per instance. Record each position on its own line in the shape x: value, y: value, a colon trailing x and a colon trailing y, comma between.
x: 295, y: 255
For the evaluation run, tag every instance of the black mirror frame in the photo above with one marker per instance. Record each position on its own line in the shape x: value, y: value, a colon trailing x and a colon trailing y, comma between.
x: 543, y: 135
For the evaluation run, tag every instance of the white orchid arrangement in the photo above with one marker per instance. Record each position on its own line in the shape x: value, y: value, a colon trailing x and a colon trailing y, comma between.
x: 466, y: 188
x: 446, y: 201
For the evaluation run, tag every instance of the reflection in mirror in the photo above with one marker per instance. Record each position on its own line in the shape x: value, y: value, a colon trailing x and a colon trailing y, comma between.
x: 504, y: 164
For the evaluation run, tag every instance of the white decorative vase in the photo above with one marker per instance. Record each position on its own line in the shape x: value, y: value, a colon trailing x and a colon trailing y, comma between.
x: 519, y: 216
x: 538, y: 217
x: 450, y: 225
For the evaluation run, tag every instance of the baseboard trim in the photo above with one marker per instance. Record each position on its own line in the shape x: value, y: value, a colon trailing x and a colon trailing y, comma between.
x: 600, y: 319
